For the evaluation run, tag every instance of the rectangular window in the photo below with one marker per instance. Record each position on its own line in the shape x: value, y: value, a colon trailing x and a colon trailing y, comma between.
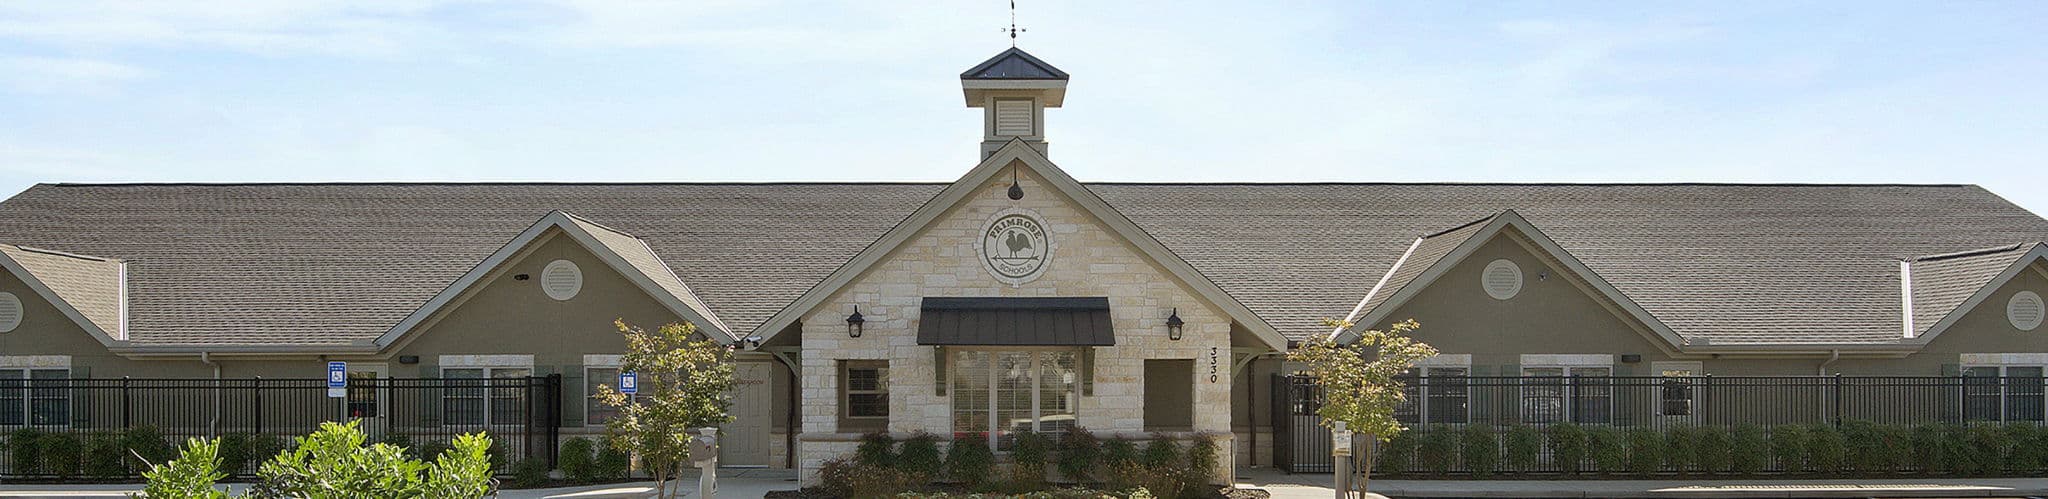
x: 864, y: 393
x: 1580, y: 394
x: 1169, y: 395
x: 39, y: 397
x: 1676, y: 392
x: 362, y: 394
x: 596, y: 413
x: 484, y: 395
x: 2002, y: 393
x: 1435, y: 395
x: 1003, y: 393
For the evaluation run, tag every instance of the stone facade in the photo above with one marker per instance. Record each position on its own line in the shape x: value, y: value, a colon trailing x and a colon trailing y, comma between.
x: 1089, y: 259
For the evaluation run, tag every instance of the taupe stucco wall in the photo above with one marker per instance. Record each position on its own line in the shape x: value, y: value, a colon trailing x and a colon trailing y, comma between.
x: 1549, y: 316
x: 1983, y: 329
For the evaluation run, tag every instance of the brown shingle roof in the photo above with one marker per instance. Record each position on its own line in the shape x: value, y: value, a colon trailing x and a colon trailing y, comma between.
x: 333, y: 263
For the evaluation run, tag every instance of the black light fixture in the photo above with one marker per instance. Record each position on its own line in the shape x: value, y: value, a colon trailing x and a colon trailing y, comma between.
x: 1016, y: 192
x: 1173, y: 325
x: 855, y: 322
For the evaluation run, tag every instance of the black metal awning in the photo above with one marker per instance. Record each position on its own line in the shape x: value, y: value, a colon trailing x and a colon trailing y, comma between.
x: 1016, y: 322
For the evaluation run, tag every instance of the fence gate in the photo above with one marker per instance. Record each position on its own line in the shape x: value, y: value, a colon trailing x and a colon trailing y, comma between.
x: 1301, y: 444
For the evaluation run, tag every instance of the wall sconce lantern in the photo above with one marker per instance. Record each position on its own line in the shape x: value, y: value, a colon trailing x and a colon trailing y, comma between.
x: 1173, y: 325
x: 855, y: 322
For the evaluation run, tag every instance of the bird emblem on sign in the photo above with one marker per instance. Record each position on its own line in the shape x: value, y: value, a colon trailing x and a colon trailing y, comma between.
x: 1015, y: 246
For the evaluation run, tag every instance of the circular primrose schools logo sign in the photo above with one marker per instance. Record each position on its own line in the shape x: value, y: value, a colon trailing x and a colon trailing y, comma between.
x: 1015, y: 246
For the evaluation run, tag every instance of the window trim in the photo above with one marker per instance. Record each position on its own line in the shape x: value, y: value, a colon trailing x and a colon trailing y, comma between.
x: 1037, y: 389
x: 29, y: 398
x: 1423, y: 371
x: 590, y: 395
x: 846, y: 391
x: 1696, y: 369
x: 489, y: 364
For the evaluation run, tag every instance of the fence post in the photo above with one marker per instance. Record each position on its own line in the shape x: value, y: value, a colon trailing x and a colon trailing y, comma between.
x: 1707, y: 394
x: 258, y: 407
x: 124, y: 404
x: 1838, y: 401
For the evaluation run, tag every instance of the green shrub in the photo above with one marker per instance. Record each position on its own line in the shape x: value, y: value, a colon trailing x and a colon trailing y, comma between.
x: 1160, y: 452
x: 531, y: 472
x: 1825, y: 450
x: 432, y: 449
x: 25, y: 450
x: 400, y: 440
x: 1119, y: 451
x: 1749, y: 451
x: 1788, y: 447
x: 1439, y: 449
x: 1988, y: 449
x: 1121, y: 464
x: 1865, y: 446
x: 1079, y: 454
x: 857, y: 480
x: 1481, y: 449
x: 876, y: 449
x: 1029, y: 453
x: 969, y: 459
x: 1645, y: 451
x: 1567, y: 447
x: 919, y: 457
x: 578, y: 460
x: 147, y: 447
x: 2027, y: 454
x: 1897, y: 453
x: 265, y: 447
x: 104, y: 455
x: 1203, y: 458
x: 1609, y: 450
x: 1681, y: 448
x: 613, y: 464
x: 1524, y: 445
x: 1712, y: 449
x: 236, y: 451
x: 191, y: 476
x: 62, y: 454
x: 1397, y: 455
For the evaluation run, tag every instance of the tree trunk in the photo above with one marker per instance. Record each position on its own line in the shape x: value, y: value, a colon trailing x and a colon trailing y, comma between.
x: 1372, y: 458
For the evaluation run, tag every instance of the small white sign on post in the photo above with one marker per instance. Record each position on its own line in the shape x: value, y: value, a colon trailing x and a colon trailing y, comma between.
x: 337, y: 379
x: 629, y: 383
x: 1340, y: 441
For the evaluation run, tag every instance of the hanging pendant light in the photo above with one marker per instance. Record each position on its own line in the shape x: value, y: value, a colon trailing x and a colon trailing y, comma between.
x: 1016, y: 191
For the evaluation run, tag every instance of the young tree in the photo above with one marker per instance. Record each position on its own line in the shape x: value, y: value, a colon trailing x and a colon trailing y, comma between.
x: 683, y: 385
x: 1359, y: 373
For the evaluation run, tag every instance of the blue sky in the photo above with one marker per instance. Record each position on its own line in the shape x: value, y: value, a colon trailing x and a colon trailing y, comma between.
x: 721, y: 90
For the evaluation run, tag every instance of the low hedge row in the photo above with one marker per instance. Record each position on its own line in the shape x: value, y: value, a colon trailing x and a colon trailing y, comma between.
x: 1855, y: 447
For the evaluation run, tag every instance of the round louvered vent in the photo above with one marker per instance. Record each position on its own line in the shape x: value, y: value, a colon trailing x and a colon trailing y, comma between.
x: 2025, y: 310
x: 561, y: 280
x: 10, y: 312
x: 1502, y: 280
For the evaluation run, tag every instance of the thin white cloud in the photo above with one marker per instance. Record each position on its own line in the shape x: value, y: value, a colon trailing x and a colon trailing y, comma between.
x: 61, y: 75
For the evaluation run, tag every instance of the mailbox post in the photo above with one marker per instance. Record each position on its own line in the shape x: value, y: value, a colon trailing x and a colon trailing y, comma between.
x: 704, y: 451
x: 1340, y: 450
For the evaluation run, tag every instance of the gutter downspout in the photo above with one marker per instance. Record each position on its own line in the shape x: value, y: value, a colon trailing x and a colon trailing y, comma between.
x: 1833, y: 355
x: 213, y: 425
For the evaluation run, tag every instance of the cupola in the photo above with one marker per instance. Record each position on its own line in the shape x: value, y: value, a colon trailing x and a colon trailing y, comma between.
x: 1013, y: 89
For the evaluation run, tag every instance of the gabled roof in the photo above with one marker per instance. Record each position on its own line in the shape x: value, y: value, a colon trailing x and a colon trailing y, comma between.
x: 317, y: 265
x: 1020, y: 153
x: 1434, y: 254
x: 627, y: 255
x: 1013, y: 64
x: 88, y: 289
x: 1944, y: 287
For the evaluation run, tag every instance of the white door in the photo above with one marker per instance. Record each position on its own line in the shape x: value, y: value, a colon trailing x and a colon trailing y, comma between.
x: 745, y: 442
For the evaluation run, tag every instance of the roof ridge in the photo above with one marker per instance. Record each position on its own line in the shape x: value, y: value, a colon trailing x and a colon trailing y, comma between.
x: 1464, y: 225
x: 943, y: 182
x: 1969, y: 253
x: 580, y: 218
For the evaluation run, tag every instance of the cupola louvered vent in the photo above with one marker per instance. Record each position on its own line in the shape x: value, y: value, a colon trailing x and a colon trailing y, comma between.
x: 2025, y: 310
x: 1013, y: 118
x: 561, y: 280
x: 10, y: 312
x: 1502, y: 279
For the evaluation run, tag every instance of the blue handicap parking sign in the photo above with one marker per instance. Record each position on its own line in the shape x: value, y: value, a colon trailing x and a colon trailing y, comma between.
x: 337, y: 375
x: 629, y: 383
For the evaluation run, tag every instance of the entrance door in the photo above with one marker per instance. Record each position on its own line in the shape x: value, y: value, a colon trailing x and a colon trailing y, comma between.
x: 368, y: 389
x: 745, y: 442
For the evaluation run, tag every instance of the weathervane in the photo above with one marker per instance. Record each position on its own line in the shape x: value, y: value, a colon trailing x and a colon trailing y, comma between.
x: 1014, y: 30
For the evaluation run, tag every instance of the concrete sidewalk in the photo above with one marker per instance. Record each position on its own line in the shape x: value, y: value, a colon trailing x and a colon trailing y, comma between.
x: 1306, y: 486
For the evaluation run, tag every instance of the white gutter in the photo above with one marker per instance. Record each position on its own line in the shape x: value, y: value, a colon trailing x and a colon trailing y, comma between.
x: 1376, y: 286
x: 213, y: 425
x: 1906, y: 295
x: 1833, y: 355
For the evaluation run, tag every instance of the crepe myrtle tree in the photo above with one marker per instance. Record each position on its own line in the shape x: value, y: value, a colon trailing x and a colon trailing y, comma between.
x: 1359, y: 374
x: 684, y: 384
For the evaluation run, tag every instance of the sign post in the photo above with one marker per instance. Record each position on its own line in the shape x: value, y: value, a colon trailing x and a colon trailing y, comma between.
x: 1340, y: 449
x: 337, y: 379
x: 704, y: 450
x: 629, y: 383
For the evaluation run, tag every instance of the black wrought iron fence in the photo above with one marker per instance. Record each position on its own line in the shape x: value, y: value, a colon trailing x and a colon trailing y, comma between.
x: 64, y: 428
x: 1707, y: 424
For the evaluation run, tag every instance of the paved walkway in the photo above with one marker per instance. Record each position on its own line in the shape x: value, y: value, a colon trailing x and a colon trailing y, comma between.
x: 1304, y: 486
